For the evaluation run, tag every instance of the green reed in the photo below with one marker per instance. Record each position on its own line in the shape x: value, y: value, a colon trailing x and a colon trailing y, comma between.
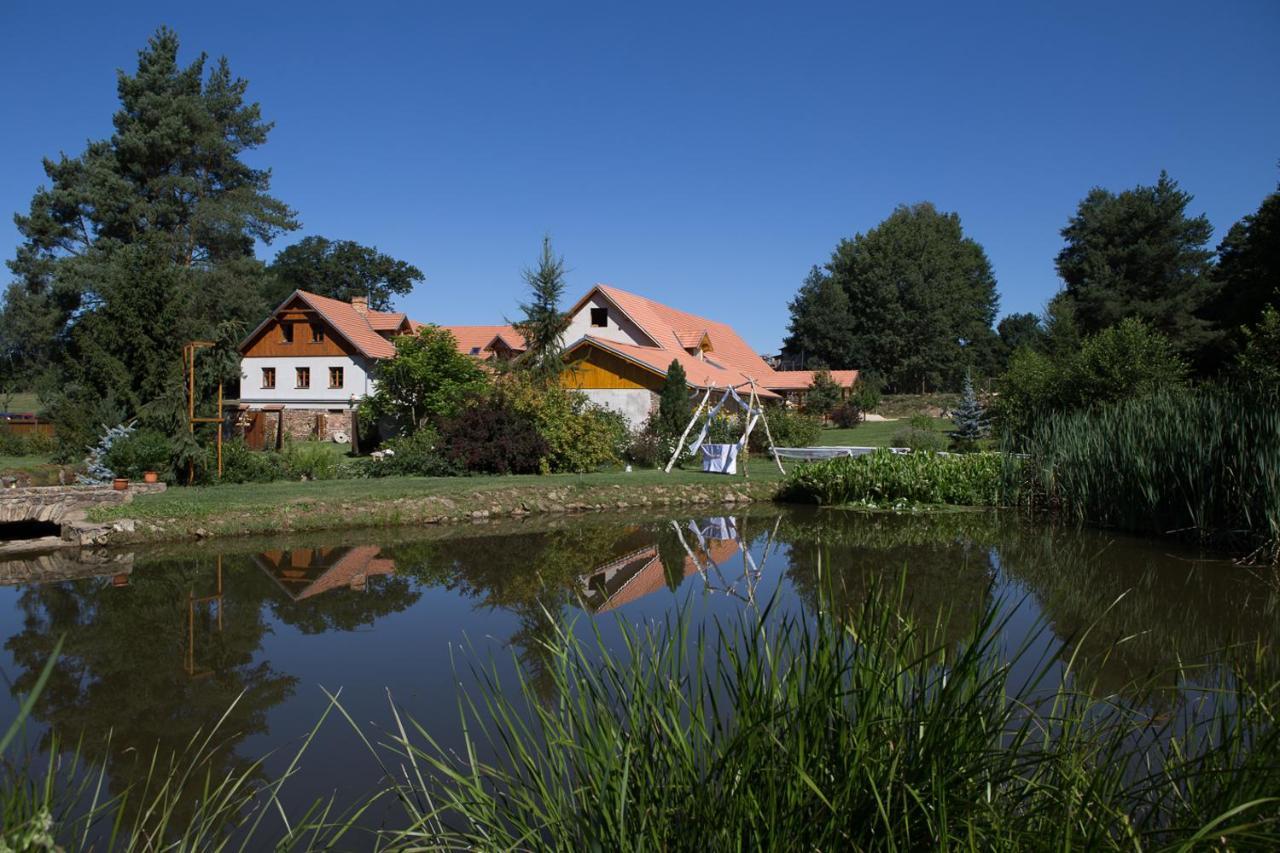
x: 1203, y: 464
x: 885, y: 478
x: 777, y: 732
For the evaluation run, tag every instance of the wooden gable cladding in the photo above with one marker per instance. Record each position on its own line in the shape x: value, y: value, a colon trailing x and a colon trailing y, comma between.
x: 270, y: 340
x: 592, y: 367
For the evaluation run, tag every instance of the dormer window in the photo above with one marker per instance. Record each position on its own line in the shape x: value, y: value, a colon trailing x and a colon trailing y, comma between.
x: 317, y: 333
x: 599, y: 318
x: 286, y: 333
x: 475, y: 350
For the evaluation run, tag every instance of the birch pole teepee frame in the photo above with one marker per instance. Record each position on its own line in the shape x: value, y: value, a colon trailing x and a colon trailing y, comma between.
x: 754, y: 411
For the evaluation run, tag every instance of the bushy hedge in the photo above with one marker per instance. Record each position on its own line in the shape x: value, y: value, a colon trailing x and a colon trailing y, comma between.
x: 884, y: 477
x: 300, y: 460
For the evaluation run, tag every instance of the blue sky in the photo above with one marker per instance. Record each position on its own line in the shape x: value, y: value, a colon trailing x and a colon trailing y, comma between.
x: 704, y: 155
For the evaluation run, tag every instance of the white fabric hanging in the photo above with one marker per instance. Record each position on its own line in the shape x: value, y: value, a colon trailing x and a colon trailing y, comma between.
x: 720, y: 458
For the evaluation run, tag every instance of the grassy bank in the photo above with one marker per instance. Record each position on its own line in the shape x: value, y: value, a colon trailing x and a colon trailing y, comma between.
x: 326, y: 504
x: 860, y: 730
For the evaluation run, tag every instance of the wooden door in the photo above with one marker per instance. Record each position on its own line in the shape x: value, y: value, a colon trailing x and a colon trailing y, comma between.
x: 254, y: 431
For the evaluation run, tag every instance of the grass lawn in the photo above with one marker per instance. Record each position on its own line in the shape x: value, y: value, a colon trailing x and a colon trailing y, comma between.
x: 208, y: 501
x: 874, y: 433
x: 23, y: 463
x: 24, y: 401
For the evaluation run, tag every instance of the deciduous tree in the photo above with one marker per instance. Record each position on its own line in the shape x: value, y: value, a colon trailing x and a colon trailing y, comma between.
x: 920, y: 297
x: 426, y: 379
x: 340, y: 269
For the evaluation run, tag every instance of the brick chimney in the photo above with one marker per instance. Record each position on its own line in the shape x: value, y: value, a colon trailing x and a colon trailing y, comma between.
x: 361, y: 304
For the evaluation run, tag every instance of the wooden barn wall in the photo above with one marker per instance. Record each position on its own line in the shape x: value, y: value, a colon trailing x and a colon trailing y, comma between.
x: 594, y: 368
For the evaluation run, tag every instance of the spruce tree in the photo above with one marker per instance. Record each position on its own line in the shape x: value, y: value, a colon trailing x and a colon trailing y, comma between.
x: 145, y: 240
x: 673, y: 402
x: 969, y: 418
x: 544, y: 323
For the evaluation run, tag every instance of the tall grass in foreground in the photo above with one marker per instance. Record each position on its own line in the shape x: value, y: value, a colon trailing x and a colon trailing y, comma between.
x: 780, y: 733
x: 1204, y: 464
x: 884, y: 479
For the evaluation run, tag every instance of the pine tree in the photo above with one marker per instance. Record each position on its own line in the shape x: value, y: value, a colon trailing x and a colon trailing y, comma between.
x: 544, y: 323
x: 1139, y: 254
x: 969, y: 418
x: 673, y: 402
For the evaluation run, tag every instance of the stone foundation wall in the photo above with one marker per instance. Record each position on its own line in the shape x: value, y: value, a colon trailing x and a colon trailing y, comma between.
x: 303, y: 424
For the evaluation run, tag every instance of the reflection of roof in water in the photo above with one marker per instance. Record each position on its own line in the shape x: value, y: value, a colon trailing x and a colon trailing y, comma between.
x: 305, y: 572
x: 632, y: 576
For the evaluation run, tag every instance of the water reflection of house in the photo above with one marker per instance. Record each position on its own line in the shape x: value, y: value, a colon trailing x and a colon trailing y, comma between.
x: 304, y: 572
x: 635, y: 574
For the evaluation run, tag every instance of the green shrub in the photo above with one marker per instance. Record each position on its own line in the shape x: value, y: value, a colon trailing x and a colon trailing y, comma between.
x: 789, y: 429
x: 647, y: 449
x: 417, y: 455
x: 847, y: 415
x: 141, y: 451
x: 884, y: 477
x: 1126, y: 361
x: 919, y: 434
x: 242, y: 465
x: 311, y: 460
x: 580, y: 437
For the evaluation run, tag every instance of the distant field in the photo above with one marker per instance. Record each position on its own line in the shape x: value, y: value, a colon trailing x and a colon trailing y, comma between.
x: 873, y: 434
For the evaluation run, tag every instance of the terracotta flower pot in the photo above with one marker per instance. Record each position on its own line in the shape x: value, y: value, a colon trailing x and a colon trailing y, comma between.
x: 120, y: 484
x: 150, y: 477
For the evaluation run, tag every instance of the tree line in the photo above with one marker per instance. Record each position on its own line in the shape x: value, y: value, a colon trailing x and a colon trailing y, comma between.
x: 913, y: 300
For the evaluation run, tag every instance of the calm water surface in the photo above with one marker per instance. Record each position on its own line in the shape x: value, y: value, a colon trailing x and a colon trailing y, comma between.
x: 160, y: 642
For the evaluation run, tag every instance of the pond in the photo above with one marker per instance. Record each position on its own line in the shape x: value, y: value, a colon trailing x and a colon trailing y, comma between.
x: 158, y: 643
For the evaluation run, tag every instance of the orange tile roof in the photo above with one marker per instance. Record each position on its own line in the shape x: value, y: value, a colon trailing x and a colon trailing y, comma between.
x: 799, y: 380
x: 700, y: 374
x: 385, y: 321
x: 729, y: 361
x: 481, y: 338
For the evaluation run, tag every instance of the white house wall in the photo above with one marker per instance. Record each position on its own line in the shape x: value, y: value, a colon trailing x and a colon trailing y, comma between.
x: 355, y: 382
x: 634, y: 404
x: 619, y: 328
